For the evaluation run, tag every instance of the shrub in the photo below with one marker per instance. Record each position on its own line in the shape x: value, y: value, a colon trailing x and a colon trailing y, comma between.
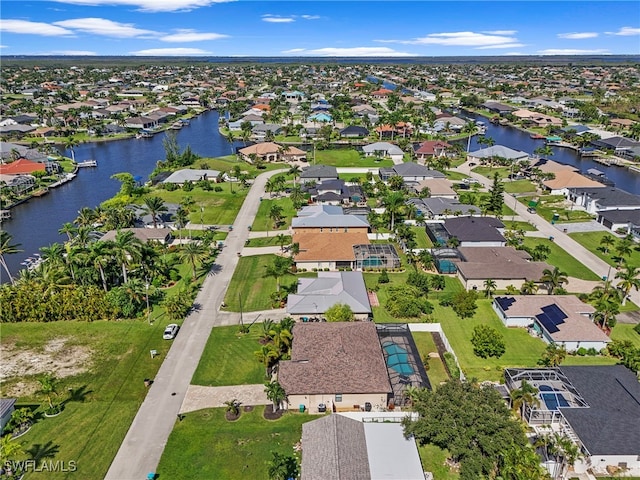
x: 384, y: 277
x: 637, y: 329
x: 487, y: 342
x: 452, y: 366
x: 217, y: 188
x: 420, y: 281
x: 592, y: 352
x: 581, y: 351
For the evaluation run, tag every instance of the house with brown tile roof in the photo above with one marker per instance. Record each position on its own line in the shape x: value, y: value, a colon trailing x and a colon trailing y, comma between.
x: 561, y: 319
x: 272, y: 152
x: 145, y: 235
x: 432, y: 149
x: 504, y: 265
x: 565, y: 180
x: 339, y: 365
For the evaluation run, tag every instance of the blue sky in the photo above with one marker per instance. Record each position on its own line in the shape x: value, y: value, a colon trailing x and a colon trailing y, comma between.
x: 317, y: 28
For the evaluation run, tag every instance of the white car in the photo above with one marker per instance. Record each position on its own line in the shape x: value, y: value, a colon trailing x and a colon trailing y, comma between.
x: 170, y: 331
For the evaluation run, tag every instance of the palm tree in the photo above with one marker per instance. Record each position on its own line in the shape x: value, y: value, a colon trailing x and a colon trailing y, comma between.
x: 232, y: 407
x: 553, y: 355
x: 605, y: 314
x: 10, y: 449
x: 297, y: 197
x: 623, y: 249
x: 530, y: 287
x: 277, y: 269
x: 7, y: 248
x: 629, y: 278
x: 127, y: 249
x: 606, y: 242
x: 525, y: 395
x: 193, y: 252
x: 70, y: 144
x: 275, y: 214
x: 393, y: 203
x: 86, y: 217
x: 69, y: 229
x: 295, y: 172
x: 554, y: 279
x: 282, y: 239
x: 153, y: 206
x: 268, y: 356
x: 489, y: 287
x: 544, y: 152
x: 48, y: 387
x: 275, y: 393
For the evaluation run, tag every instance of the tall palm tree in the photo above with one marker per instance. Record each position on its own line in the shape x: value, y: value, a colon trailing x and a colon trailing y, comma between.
x: 277, y: 269
x: 530, y: 287
x: 127, y: 249
x: 69, y: 229
x: 629, y: 278
x: 605, y: 314
x: 70, y: 144
x: 7, y: 248
x: 275, y: 393
x: 606, y: 242
x: 554, y: 279
x: 86, y: 217
x: 193, y: 252
x: 525, y: 395
x: 295, y: 172
x: 393, y: 203
x: 154, y: 206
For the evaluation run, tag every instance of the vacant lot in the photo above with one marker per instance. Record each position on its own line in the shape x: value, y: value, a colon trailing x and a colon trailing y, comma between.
x: 591, y: 241
x: 561, y: 259
x: 349, y: 158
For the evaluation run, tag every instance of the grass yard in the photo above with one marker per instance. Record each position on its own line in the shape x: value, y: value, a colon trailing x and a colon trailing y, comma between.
x: 228, y: 359
x: 227, y: 164
x: 523, y: 350
x: 525, y: 226
x: 422, y: 240
x: 591, y: 241
x: 548, y: 205
x: 349, y: 157
x: 455, y: 176
x: 519, y: 186
x: 436, y: 371
x: 256, y: 289
x: 220, y: 208
x: 563, y: 260
x: 433, y: 460
x: 489, y: 172
x: 272, y: 241
x: 205, y: 445
x: 262, y: 221
x: 625, y: 331
x: 90, y: 430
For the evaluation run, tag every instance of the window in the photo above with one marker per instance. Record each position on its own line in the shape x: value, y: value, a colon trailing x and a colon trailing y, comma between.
x: 338, y: 398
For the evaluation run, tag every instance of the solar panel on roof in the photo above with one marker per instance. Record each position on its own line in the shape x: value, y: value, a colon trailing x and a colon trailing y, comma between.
x: 548, y: 324
x: 505, y: 302
x: 554, y: 312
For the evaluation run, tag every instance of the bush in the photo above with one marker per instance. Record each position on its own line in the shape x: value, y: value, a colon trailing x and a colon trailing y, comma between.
x: 581, y: 351
x: 420, y: 281
x: 487, y: 342
x: 217, y: 188
x: 384, y: 277
x: 452, y: 366
x: 405, y: 302
x: 592, y: 352
x: 637, y: 329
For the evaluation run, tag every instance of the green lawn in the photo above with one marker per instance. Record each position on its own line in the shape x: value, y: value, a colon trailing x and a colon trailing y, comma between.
x: 625, y: 331
x: 523, y: 350
x: 591, y: 241
x: 220, y: 208
x: 227, y: 164
x: 525, y: 226
x: 548, y: 205
x: 348, y: 157
x: 489, y: 172
x: 433, y: 460
x: 228, y: 359
x: 255, y: 289
x: 455, y: 176
x: 561, y: 259
x: 272, y: 241
x: 90, y: 431
x: 352, y: 177
x: 422, y: 240
x: 436, y: 372
x: 262, y: 221
x: 519, y: 186
x: 204, y: 445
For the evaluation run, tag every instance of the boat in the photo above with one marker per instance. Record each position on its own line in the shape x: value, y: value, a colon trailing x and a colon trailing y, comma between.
x: 5, y: 215
x: 553, y: 139
x: 176, y: 126
x: 537, y: 136
x: 185, y: 121
x: 598, y: 176
x: 145, y: 134
x: 87, y: 163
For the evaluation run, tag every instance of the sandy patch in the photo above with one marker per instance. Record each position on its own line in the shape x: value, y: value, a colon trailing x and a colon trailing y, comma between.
x: 56, y: 357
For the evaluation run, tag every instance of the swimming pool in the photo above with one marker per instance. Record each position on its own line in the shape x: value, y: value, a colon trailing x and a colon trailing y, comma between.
x: 397, y: 358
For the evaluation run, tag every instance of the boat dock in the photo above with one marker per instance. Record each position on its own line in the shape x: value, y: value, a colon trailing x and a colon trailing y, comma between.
x: 608, y: 161
x: 5, y: 215
x: 87, y: 163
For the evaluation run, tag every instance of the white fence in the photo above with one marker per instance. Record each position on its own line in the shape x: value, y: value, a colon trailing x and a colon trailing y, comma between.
x: 437, y: 328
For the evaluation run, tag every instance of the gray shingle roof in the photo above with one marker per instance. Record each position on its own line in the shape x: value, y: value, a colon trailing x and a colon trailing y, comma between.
x: 334, y: 448
x: 621, y: 216
x: 323, y: 219
x: 320, y: 171
x: 410, y: 169
x: 611, y: 424
x: 316, y: 295
x: 499, y: 151
x: 192, y: 175
x: 610, y: 196
x: 475, y: 229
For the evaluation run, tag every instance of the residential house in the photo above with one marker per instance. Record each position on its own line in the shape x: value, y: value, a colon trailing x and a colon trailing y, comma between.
x: 410, y: 172
x: 431, y: 149
x: 341, y: 447
x: 22, y: 166
x: 318, y: 173
x: 614, y: 220
x: 599, y: 199
x: 145, y: 235
x: 438, y: 187
x: 594, y: 406
x: 317, y: 295
x: 179, y: 177
x: 261, y: 130
x: 382, y: 150
x: 567, y: 180
x: 564, y: 320
x: 335, y: 192
x: 143, y: 123
x: 354, y: 131
x: 504, y: 265
x: 469, y: 231
x: 439, y: 208
x: 271, y: 152
x: 7, y: 406
x: 499, y: 108
x: 497, y: 151
x: 338, y: 365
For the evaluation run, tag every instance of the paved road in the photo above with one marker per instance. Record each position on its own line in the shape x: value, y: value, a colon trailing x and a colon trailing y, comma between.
x: 568, y: 244
x: 144, y: 443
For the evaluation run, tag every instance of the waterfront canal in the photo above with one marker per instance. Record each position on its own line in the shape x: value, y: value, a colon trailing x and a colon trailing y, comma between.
x: 35, y: 223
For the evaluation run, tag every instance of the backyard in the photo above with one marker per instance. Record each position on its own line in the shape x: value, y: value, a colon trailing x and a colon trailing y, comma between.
x: 349, y: 157
x: 550, y: 205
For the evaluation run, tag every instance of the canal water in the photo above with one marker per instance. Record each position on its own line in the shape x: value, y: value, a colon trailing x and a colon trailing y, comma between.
x: 36, y: 223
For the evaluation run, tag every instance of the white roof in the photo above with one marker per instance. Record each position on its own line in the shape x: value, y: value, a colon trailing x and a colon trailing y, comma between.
x: 391, y: 455
x: 499, y: 151
x: 390, y: 148
x: 192, y: 175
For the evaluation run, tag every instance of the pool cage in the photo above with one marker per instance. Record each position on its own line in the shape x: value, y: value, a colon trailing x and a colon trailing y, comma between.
x: 376, y: 255
x: 404, y: 366
x: 437, y: 233
x: 555, y: 391
x: 444, y: 259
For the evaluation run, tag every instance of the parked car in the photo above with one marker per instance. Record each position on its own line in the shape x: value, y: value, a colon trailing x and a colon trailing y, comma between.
x: 170, y: 331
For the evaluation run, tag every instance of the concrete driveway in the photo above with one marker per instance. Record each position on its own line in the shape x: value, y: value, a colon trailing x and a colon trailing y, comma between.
x: 144, y: 443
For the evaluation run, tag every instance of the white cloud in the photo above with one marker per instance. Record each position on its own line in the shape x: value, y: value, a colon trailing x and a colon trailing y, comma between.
x: 458, y: 39
x: 4, y: 46
x: 107, y: 28
x: 626, y: 31
x: 33, y: 28
x: 501, y: 32
x: 150, y: 5
x: 310, y: 17
x: 75, y: 53
x: 504, y: 45
x: 350, y: 52
x: 188, y: 35
x: 277, y: 19
x: 577, y: 35
x: 572, y: 51
x: 170, y: 52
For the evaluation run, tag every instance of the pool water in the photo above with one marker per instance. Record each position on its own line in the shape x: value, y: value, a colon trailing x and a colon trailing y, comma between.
x: 398, y: 359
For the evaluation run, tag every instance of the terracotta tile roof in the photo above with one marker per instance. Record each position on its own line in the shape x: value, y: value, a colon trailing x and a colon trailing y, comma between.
x: 569, y: 179
x: 328, y: 246
x: 330, y: 358
x: 22, y: 166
